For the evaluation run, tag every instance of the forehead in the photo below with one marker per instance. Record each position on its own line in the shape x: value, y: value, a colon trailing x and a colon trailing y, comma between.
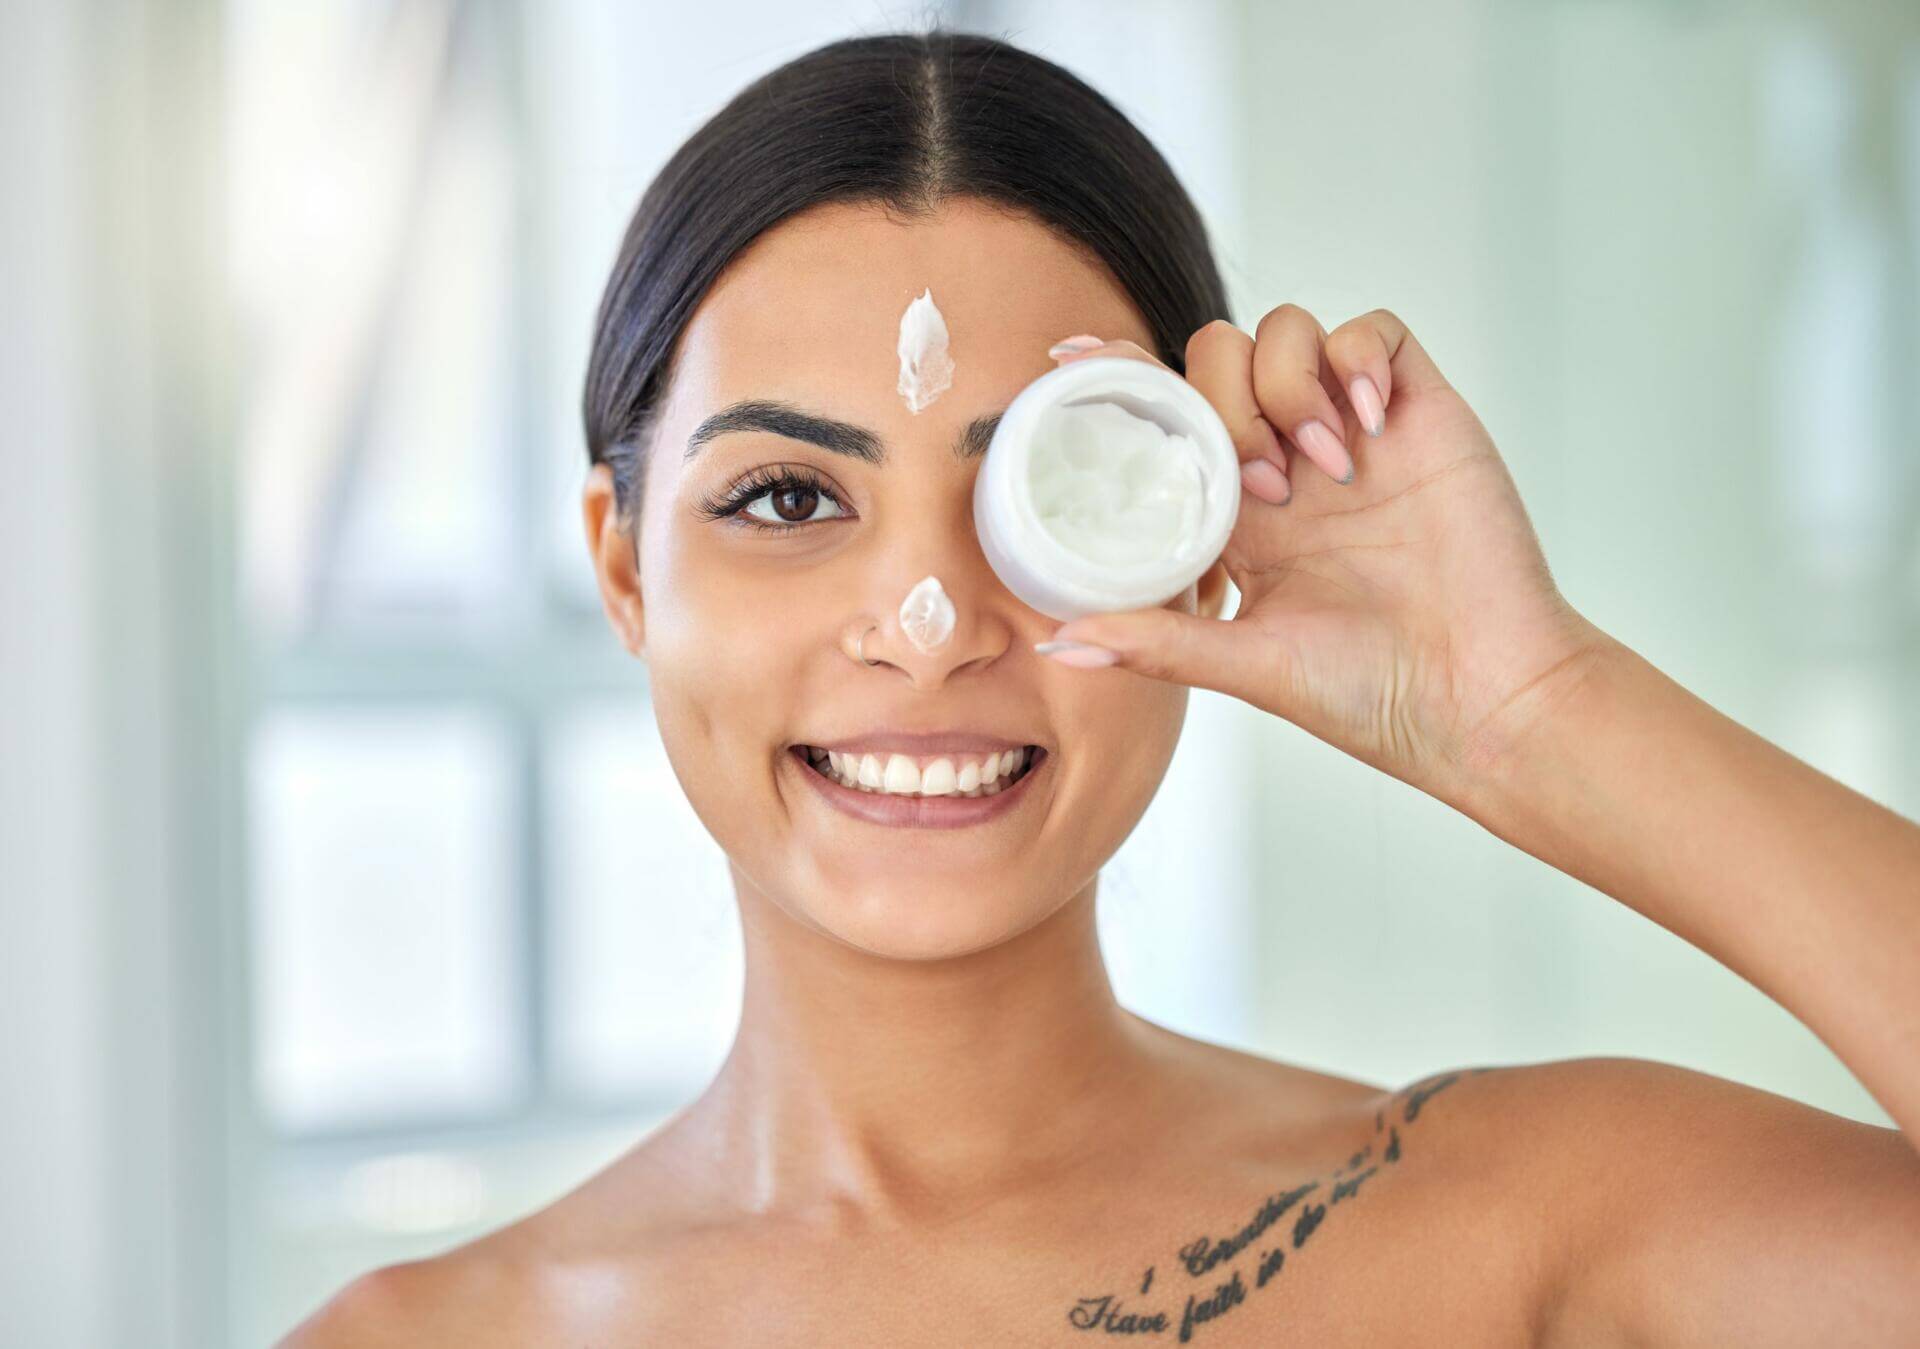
x: 811, y: 310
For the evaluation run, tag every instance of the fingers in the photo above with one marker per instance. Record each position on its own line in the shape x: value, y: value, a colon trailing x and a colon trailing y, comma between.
x: 1220, y: 365
x: 1208, y: 653
x: 1075, y: 348
x: 1286, y: 382
x: 1286, y: 377
x: 1357, y: 352
x: 1408, y: 367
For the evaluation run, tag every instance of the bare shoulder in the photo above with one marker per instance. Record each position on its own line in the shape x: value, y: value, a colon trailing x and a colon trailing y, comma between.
x: 598, y: 1254
x: 1687, y: 1203
x: 457, y: 1298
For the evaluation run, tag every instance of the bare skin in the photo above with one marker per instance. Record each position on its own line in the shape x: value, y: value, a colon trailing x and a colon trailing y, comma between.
x: 936, y: 1125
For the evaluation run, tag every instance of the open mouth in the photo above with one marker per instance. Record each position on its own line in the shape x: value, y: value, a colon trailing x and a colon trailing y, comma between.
x: 923, y: 776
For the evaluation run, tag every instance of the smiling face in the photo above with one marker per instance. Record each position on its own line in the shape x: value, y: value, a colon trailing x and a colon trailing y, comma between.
x: 762, y: 555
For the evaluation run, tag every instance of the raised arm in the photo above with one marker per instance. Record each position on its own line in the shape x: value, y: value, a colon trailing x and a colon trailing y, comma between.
x: 1615, y: 774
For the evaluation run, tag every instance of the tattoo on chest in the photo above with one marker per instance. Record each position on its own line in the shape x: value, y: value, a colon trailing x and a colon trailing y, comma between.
x: 1269, y: 1233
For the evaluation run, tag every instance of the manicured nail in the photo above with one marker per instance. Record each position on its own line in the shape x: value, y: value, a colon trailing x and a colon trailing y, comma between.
x: 1366, y: 401
x: 1326, y: 448
x: 1270, y: 442
x: 1083, y: 655
x: 1266, y: 482
x: 1066, y: 346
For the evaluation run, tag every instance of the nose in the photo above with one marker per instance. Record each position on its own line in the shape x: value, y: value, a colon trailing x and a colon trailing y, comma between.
x: 896, y: 631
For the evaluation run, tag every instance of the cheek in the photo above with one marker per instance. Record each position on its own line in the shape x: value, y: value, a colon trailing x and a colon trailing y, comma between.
x: 1123, y: 730
x: 726, y: 639
x: 708, y: 611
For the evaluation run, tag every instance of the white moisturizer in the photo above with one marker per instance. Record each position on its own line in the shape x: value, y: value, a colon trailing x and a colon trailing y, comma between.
x: 1115, y: 488
x: 926, y: 615
x: 926, y: 370
x: 1109, y: 484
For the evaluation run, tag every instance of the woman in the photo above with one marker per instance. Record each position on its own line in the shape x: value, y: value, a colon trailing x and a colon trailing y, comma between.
x: 936, y: 1125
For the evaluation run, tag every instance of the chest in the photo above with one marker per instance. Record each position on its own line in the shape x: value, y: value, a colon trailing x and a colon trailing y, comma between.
x: 1359, y: 1255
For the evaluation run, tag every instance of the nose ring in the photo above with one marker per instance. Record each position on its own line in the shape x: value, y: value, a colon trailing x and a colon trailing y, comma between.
x: 860, y: 647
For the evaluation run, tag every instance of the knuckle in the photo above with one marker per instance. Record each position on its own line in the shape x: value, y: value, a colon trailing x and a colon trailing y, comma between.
x: 1211, y: 335
x: 1282, y: 314
x: 1159, y: 657
x: 1349, y: 343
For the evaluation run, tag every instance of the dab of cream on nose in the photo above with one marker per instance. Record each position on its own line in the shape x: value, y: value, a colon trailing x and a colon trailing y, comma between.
x: 926, y: 370
x: 926, y: 615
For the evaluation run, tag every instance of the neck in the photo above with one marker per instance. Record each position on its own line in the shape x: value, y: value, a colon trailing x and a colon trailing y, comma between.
x: 895, y: 1085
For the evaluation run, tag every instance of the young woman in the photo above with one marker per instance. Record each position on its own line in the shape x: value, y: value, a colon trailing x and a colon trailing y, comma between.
x: 936, y: 1125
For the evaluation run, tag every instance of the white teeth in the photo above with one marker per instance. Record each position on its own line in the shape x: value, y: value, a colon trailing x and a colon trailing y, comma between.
x: 938, y: 779
x: 901, y: 774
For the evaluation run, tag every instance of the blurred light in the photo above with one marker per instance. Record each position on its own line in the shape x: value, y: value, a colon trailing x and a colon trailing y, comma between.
x: 413, y: 1192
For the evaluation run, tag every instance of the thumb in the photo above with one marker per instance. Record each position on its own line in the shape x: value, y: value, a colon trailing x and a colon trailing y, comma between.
x: 1208, y: 653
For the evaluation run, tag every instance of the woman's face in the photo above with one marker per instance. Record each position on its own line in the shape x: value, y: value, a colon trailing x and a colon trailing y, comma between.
x: 748, y: 632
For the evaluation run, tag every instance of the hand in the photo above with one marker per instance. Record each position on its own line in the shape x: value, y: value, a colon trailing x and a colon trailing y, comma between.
x: 1404, y: 615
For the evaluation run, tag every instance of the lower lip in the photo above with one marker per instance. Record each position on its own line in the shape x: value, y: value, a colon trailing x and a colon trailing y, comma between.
x: 919, y: 812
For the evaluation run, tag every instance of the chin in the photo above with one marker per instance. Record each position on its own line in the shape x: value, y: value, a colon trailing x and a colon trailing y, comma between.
x: 909, y: 918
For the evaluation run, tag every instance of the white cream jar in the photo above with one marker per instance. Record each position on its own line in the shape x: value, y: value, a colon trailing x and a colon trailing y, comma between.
x: 1109, y: 484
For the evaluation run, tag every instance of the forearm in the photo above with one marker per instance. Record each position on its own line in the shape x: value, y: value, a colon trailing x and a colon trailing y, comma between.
x: 1805, y: 887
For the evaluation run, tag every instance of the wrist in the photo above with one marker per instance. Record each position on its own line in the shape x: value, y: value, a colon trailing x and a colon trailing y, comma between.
x: 1534, y: 740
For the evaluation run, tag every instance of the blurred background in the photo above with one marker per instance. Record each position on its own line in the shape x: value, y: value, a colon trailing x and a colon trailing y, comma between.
x: 348, y: 906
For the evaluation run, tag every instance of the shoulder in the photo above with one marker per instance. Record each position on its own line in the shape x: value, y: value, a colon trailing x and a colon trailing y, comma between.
x: 501, y: 1288
x: 442, y: 1300
x: 1674, y: 1201
x: 602, y: 1247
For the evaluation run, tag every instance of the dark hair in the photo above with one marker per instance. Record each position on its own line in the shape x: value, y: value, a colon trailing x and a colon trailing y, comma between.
x: 902, y: 119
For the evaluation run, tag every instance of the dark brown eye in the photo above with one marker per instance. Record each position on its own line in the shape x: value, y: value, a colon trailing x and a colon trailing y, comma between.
x: 794, y: 503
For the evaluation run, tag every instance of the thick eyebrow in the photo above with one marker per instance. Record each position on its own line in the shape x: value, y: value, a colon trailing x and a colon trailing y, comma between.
x: 784, y: 419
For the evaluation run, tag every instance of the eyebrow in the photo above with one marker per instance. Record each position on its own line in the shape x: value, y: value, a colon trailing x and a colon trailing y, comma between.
x: 784, y: 419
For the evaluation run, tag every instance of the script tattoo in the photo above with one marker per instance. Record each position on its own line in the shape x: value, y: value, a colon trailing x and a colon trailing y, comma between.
x: 1107, y: 1314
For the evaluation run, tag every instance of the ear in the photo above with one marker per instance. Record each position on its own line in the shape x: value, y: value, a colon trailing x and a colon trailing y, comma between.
x: 1210, y: 591
x: 616, y: 562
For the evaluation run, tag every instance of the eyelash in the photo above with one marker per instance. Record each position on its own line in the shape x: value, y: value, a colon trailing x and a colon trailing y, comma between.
x: 762, y: 482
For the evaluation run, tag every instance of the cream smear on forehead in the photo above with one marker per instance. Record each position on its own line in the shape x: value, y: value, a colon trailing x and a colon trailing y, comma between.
x: 926, y: 615
x: 926, y: 371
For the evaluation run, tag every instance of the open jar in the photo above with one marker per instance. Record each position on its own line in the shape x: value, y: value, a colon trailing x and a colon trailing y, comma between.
x: 1109, y: 484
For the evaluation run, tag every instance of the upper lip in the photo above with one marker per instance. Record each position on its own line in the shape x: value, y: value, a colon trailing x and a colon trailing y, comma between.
x: 921, y: 742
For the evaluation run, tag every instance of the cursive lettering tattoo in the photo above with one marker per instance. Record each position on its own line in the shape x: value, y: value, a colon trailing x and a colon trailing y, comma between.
x: 1104, y: 1313
x: 1269, y: 1266
x: 1309, y: 1219
x: 1204, y: 1254
x: 1225, y: 1298
x: 1350, y: 1186
x: 1419, y: 1095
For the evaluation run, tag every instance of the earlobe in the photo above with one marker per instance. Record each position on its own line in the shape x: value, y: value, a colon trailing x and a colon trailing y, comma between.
x: 616, y: 567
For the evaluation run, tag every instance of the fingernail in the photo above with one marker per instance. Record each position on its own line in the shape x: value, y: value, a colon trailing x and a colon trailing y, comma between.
x: 1327, y: 449
x: 1066, y: 346
x: 1083, y: 655
x: 1266, y: 482
x: 1269, y: 442
x: 1366, y: 401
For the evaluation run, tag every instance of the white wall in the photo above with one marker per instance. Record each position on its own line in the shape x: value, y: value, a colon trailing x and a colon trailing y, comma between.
x: 112, y: 1191
x: 1588, y: 214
